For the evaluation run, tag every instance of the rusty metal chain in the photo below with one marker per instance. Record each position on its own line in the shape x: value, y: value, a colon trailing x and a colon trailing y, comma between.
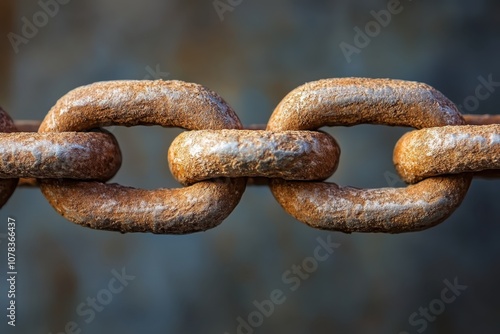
x: 70, y: 157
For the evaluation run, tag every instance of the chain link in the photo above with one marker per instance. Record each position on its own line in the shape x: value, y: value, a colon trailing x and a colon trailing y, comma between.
x: 128, y: 103
x: 293, y: 155
x: 7, y: 186
x: 352, y: 101
x: 71, y: 157
x: 447, y: 150
x: 77, y: 155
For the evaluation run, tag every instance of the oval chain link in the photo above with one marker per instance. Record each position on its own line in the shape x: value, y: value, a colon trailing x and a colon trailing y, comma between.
x: 351, y: 101
x: 125, y: 209
x: 447, y: 150
x: 72, y: 155
x: 298, y: 155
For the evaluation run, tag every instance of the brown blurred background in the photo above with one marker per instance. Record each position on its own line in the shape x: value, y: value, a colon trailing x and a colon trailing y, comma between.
x: 202, y: 283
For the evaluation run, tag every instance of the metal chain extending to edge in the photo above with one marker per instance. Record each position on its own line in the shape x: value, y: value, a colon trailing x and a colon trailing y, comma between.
x: 70, y: 157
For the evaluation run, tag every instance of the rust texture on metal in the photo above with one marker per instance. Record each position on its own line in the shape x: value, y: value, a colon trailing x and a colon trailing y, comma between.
x: 114, y: 207
x: 328, y: 206
x: 128, y: 103
x: 74, y: 155
x: 7, y: 186
x: 447, y: 150
x: 292, y: 155
x: 481, y: 119
x: 351, y: 101
x: 71, y: 157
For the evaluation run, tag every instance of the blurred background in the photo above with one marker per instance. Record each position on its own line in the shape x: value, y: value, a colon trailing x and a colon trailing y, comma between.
x: 252, y: 53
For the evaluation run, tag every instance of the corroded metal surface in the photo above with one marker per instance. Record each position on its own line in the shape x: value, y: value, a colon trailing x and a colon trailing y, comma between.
x: 114, y: 207
x: 482, y: 119
x: 390, y: 210
x: 295, y: 155
x: 447, y: 150
x: 7, y: 186
x: 351, y: 101
x: 74, y: 155
x: 128, y: 103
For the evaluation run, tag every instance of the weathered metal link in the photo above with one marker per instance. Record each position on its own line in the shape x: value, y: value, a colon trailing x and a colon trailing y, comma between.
x: 74, y: 155
x: 482, y: 119
x: 129, y: 103
x: 27, y: 126
x: 7, y: 186
x: 447, y: 150
x: 328, y: 206
x: 291, y: 155
x: 114, y: 207
x: 351, y: 101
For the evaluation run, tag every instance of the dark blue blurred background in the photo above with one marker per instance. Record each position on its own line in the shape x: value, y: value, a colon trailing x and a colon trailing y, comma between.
x: 260, y: 51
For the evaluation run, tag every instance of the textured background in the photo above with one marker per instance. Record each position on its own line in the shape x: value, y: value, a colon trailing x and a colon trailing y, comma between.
x: 261, y: 50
